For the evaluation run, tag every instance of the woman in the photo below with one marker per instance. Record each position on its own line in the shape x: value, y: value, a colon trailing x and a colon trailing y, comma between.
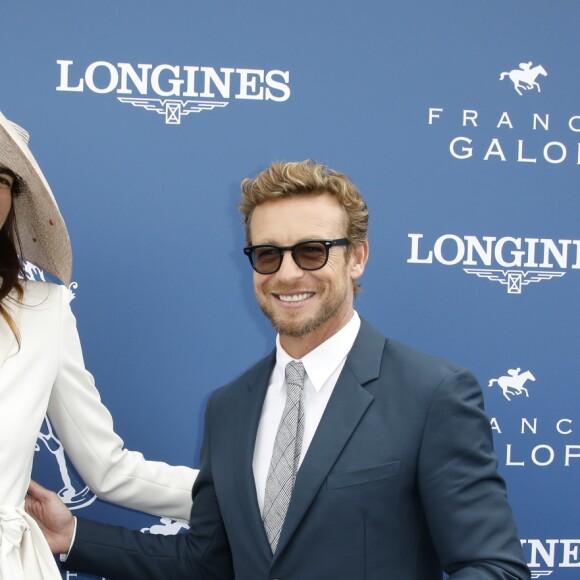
x: 42, y: 371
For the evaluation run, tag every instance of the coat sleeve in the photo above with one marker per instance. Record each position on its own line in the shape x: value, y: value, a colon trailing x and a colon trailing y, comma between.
x: 85, y: 428
x: 203, y: 552
x: 464, y: 497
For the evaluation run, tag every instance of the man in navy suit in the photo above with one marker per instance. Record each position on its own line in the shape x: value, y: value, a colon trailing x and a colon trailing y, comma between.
x: 396, y: 478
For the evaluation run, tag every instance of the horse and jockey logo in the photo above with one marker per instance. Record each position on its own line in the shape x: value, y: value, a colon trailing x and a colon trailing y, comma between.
x: 513, y: 383
x: 166, y: 527
x: 524, y: 78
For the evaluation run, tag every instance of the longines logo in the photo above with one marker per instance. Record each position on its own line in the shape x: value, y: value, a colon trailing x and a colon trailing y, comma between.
x: 512, y: 262
x: 546, y: 556
x: 174, y: 91
x: 518, y: 138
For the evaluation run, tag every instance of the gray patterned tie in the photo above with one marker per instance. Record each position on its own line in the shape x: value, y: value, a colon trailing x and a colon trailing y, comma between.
x: 285, y: 457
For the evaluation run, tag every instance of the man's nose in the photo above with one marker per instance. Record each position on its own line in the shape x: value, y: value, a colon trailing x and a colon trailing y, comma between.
x: 289, y: 269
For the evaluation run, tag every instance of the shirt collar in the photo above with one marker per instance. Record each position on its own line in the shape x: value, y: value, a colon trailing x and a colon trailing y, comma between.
x: 325, y: 358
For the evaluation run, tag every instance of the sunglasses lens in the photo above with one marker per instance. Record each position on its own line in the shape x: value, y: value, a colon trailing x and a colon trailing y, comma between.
x: 311, y: 255
x: 266, y: 259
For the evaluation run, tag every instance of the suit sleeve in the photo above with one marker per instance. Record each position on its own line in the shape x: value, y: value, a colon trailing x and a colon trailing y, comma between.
x: 85, y: 428
x: 203, y: 553
x: 463, y: 495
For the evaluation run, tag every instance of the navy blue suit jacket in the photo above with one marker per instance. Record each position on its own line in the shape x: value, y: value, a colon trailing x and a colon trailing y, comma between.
x: 399, y: 483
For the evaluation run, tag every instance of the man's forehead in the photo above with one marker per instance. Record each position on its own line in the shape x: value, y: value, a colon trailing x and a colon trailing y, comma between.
x: 309, y: 208
x: 289, y: 228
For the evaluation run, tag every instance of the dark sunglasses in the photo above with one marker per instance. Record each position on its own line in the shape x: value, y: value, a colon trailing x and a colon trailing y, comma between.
x: 309, y: 255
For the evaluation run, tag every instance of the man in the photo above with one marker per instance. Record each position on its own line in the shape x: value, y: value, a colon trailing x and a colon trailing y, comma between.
x: 396, y: 471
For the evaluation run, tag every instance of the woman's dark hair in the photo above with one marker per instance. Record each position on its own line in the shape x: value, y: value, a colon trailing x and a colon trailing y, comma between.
x: 11, y: 269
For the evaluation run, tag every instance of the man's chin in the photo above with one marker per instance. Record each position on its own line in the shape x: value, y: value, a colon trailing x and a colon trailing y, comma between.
x: 294, y: 332
x: 297, y: 328
x: 286, y: 326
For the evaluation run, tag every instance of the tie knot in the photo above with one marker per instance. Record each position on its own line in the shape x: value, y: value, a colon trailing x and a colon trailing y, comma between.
x: 295, y: 373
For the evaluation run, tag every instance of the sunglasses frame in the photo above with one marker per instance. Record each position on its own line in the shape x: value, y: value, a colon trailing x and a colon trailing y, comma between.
x: 250, y: 250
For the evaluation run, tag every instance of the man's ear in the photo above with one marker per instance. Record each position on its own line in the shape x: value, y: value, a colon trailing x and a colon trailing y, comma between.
x: 360, y: 255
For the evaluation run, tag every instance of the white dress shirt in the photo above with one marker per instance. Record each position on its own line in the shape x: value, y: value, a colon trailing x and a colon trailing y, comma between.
x: 323, y: 366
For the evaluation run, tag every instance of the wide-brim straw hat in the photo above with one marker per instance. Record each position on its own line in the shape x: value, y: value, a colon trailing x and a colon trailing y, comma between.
x: 42, y: 234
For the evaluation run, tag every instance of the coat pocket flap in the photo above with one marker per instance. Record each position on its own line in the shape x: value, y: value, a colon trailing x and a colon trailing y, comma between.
x: 360, y: 476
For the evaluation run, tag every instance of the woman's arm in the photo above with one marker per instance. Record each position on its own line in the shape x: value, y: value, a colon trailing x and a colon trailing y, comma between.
x: 85, y: 428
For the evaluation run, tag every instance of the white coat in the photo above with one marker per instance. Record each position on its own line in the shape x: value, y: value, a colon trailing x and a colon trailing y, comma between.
x: 47, y: 375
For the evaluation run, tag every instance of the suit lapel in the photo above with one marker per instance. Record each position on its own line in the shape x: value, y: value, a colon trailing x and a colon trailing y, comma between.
x: 345, y: 409
x: 257, y: 385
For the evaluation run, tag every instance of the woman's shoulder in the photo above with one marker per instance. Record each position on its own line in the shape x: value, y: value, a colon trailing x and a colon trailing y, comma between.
x: 45, y: 293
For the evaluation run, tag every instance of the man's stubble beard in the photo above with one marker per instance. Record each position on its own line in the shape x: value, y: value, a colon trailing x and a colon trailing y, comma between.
x: 286, y: 327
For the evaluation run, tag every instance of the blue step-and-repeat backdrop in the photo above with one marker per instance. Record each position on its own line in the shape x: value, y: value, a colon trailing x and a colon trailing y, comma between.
x: 458, y: 120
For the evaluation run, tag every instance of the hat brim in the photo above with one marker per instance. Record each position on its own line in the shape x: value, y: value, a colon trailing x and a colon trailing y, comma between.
x: 42, y: 233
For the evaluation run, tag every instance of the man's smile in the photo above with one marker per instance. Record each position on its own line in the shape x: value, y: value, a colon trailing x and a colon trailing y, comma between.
x: 294, y: 297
